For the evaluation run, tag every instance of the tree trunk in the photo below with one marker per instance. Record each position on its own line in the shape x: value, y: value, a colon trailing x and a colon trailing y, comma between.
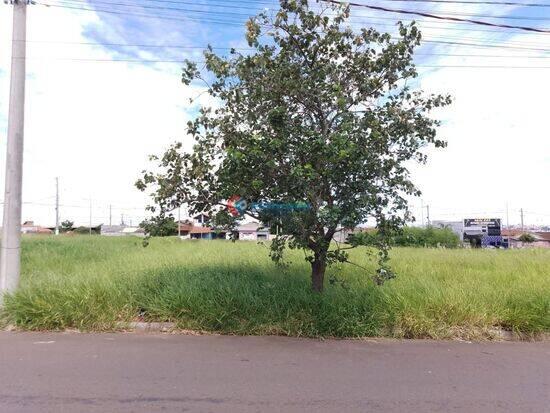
x: 318, y: 267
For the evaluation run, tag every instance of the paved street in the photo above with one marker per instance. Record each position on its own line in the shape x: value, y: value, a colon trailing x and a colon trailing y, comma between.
x: 175, y: 373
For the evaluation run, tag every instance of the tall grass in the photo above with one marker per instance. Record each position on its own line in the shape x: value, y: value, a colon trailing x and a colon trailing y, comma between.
x: 90, y: 283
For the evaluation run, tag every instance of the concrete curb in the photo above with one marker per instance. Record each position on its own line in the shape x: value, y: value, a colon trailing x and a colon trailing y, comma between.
x: 497, y: 334
x: 146, y: 327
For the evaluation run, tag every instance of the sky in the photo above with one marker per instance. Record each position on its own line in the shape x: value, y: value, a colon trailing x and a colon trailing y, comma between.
x: 92, y: 119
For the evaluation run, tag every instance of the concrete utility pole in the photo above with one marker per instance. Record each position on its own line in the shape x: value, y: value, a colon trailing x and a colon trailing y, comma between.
x: 521, y: 212
x: 56, y: 206
x: 10, y: 249
x: 90, y: 216
x: 110, y: 215
x: 428, y: 214
x: 179, y: 222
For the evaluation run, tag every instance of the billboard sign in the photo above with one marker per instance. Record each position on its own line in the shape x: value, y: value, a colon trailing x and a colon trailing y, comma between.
x: 482, y: 226
x: 482, y: 222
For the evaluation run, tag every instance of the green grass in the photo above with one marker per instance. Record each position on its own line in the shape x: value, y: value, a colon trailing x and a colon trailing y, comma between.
x: 90, y: 283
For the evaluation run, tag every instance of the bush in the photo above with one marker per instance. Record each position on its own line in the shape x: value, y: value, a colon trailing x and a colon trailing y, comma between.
x: 427, y: 237
x: 413, y: 237
x: 527, y: 238
x: 160, y: 227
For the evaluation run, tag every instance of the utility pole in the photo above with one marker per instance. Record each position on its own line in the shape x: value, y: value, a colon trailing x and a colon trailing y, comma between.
x: 57, y: 206
x: 428, y: 214
x: 521, y: 212
x: 179, y: 222
x: 10, y: 249
x: 90, y: 216
x: 110, y: 215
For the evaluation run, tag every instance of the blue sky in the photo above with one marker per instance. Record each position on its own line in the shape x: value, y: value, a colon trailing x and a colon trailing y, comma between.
x: 94, y: 123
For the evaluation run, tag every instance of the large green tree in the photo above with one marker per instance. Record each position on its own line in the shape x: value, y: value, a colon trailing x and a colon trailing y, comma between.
x: 317, y: 113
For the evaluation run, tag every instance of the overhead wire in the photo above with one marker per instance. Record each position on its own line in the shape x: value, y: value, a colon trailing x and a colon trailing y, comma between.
x: 497, y: 28
x: 453, y: 19
x: 459, y: 2
x: 163, y: 17
x: 476, y: 2
x: 226, y: 22
x: 485, y: 45
x: 120, y: 12
x: 180, y: 61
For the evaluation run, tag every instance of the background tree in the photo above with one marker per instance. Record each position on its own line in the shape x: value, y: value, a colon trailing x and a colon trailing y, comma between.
x: 67, y: 226
x: 160, y: 226
x: 318, y: 114
x: 429, y: 237
x: 527, y: 238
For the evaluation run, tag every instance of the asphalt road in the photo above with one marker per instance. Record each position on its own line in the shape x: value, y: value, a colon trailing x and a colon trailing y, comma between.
x: 175, y: 373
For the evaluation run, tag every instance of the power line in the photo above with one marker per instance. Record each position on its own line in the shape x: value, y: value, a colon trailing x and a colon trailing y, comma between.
x: 166, y: 46
x: 193, y: 47
x: 484, y: 56
x: 483, y: 67
x: 143, y: 6
x: 223, y: 22
x: 187, y: 10
x: 422, y: 25
x: 464, y: 2
x: 183, y: 46
x: 71, y: 5
x: 515, y: 46
x: 498, y: 3
x: 507, y: 46
x: 486, y: 45
x: 449, y: 18
x: 416, y: 65
x: 162, y: 17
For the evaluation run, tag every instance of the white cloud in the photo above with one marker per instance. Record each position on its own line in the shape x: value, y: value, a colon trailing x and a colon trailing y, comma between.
x: 498, y: 129
x: 90, y: 123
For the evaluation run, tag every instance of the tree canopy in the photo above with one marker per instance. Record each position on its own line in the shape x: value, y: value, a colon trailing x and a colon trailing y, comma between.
x: 67, y: 225
x: 160, y: 226
x: 317, y: 113
x: 527, y: 238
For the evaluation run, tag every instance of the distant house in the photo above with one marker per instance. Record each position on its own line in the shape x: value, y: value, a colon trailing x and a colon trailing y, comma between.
x: 197, y: 230
x: 112, y: 230
x: 252, y: 231
x: 542, y: 238
x: 29, y: 227
x: 121, y: 230
x: 137, y: 231
x: 342, y: 234
x: 201, y: 219
x: 185, y: 228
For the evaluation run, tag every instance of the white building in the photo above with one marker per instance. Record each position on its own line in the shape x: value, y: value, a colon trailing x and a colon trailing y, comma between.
x: 456, y: 226
x: 253, y: 231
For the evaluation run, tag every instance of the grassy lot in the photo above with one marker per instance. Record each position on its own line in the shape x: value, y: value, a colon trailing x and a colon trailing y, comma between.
x: 90, y: 283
